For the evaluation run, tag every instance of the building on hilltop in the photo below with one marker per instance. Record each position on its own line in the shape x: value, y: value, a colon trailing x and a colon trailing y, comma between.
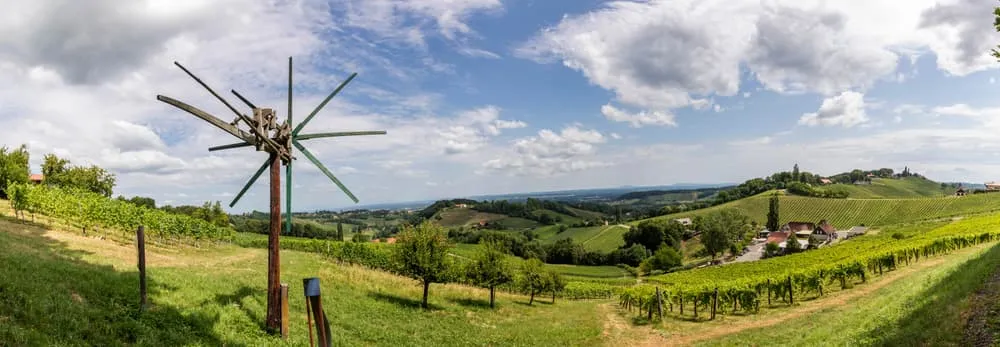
x: 825, y: 181
x: 36, y: 178
x: 961, y: 191
x: 801, y: 229
x: 825, y: 230
x: 992, y: 186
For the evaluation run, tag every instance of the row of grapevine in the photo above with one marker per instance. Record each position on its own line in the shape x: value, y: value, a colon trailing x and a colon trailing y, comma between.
x: 86, y: 209
x: 742, y: 286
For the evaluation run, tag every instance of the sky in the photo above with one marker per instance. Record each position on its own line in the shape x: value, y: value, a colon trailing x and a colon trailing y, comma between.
x: 504, y: 96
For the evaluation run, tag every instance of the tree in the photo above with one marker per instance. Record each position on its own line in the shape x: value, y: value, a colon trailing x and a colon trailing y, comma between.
x: 653, y: 233
x: 340, y: 231
x: 792, y: 244
x: 360, y: 237
x: 533, y: 278
x: 664, y: 259
x: 13, y: 167
x: 722, y: 229
x: 421, y: 253
x: 795, y: 174
x: 556, y: 284
x: 771, y: 249
x: 772, y: 213
x: 490, y: 268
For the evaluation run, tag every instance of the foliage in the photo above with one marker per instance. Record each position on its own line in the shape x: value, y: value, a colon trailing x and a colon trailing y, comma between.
x: 300, y: 228
x: 664, y: 259
x: 87, y: 209
x: 771, y: 249
x: 805, y: 189
x: 58, y: 172
x: 490, y: 268
x: 792, y: 244
x: 772, y: 213
x: 140, y: 201
x: 13, y: 167
x: 555, y: 284
x: 722, y: 229
x: 421, y: 253
x: 654, y: 233
x: 533, y: 278
x: 209, y: 212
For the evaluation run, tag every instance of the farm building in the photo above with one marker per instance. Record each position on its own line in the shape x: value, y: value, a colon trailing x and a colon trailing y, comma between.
x: 825, y: 181
x: 801, y: 229
x: 992, y: 186
x: 961, y: 191
x: 35, y: 178
x: 824, y: 230
x: 684, y: 221
x: 778, y: 237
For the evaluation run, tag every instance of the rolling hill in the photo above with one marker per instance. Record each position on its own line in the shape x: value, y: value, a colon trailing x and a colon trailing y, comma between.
x: 844, y: 213
x: 907, y: 187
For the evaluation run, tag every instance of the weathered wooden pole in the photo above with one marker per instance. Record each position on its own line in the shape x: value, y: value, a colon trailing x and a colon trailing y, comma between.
x: 791, y: 296
x: 140, y: 242
x: 768, y: 292
x: 659, y: 304
x: 715, y: 301
x: 284, y: 311
x: 273, y: 260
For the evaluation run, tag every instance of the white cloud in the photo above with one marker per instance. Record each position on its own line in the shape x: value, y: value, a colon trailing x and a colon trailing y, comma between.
x: 638, y: 120
x: 550, y: 153
x: 412, y: 20
x: 478, y: 53
x: 616, y: 136
x: 846, y: 110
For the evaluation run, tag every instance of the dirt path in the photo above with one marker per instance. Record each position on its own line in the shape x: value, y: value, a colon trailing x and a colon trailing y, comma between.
x: 636, y: 336
x: 984, y: 307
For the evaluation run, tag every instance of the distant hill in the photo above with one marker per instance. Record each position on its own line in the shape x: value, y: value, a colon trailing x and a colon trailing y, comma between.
x: 906, y: 187
x: 844, y: 213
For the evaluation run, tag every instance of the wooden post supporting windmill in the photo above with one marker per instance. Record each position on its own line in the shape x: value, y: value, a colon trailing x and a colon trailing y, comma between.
x: 267, y: 135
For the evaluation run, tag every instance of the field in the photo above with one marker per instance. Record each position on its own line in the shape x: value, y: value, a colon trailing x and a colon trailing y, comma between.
x: 908, y: 187
x: 845, y: 213
x: 598, y: 238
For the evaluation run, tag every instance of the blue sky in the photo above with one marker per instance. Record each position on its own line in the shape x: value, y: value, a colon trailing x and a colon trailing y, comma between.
x: 497, y: 96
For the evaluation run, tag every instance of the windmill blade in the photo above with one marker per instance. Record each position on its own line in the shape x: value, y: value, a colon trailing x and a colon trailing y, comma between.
x: 288, y: 167
x: 267, y: 163
x: 217, y: 96
x: 244, y: 100
x: 338, y: 134
x: 324, y: 169
x: 229, y: 146
x: 232, y: 130
x: 322, y: 104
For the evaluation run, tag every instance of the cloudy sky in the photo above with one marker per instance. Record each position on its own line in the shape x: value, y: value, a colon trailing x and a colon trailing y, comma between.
x: 495, y: 96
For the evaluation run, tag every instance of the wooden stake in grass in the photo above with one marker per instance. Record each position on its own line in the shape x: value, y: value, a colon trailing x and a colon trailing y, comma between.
x: 284, y: 311
x: 715, y: 301
x: 659, y: 304
x: 140, y: 242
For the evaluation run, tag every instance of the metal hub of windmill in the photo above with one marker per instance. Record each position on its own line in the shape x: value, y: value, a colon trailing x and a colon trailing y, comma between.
x: 266, y: 134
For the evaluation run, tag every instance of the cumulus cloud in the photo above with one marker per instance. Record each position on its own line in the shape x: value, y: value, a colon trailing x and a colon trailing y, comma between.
x: 550, y: 153
x: 640, y: 119
x: 846, y: 110
x: 411, y: 20
x: 960, y: 34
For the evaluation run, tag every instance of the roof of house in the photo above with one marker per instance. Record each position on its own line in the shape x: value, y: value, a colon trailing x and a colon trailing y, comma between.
x: 803, y: 243
x: 827, y: 228
x: 35, y: 177
x: 777, y: 237
x: 799, y: 226
x: 825, y: 180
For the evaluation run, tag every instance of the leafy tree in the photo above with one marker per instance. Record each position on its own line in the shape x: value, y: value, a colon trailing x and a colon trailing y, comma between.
x: 772, y: 213
x: 722, y: 229
x: 18, y: 196
x: 562, y: 228
x: 792, y: 244
x: 653, y: 233
x: 795, y: 174
x: 361, y: 237
x: 58, y: 172
x: 556, y: 284
x: 340, y: 231
x: 421, y: 253
x: 490, y: 268
x: 533, y: 278
x: 633, y: 255
x: 13, y: 167
x: 771, y: 249
x: 664, y: 259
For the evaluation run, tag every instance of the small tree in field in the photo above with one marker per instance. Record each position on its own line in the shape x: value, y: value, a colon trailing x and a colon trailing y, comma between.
x: 533, y: 278
x: 490, y: 268
x: 556, y: 284
x: 421, y: 253
x: 340, y: 231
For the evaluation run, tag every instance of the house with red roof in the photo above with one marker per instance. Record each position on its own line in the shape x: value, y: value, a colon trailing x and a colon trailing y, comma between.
x: 36, y: 178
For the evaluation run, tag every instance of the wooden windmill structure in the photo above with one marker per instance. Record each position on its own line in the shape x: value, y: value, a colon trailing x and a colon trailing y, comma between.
x: 265, y: 133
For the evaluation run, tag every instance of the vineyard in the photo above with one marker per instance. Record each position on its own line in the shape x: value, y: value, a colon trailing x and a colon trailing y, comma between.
x: 744, y: 286
x: 87, y: 211
x: 845, y: 213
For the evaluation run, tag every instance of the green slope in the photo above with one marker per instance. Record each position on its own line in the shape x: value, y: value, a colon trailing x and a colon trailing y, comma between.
x: 844, y: 213
x: 909, y: 187
x: 598, y: 238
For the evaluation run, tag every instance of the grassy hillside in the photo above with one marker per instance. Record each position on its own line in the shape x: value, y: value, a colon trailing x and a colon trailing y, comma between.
x: 908, y: 187
x: 844, y: 213
x: 598, y: 238
x: 456, y: 217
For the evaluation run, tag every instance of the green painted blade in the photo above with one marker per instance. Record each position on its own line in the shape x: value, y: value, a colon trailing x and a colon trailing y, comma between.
x: 325, y: 171
x: 337, y: 134
x: 311, y: 115
x: 229, y: 146
x: 288, y: 167
x: 253, y: 179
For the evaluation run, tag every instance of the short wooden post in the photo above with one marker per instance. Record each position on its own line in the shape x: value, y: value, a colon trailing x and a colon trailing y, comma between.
x: 715, y: 301
x: 681, y: 304
x: 696, y: 307
x: 768, y: 292
x: 140, y: 242
x: 659, y: 304
x: 791, y: 297
x: 284, y: 311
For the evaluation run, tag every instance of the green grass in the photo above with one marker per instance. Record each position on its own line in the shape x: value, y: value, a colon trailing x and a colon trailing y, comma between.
x: 598, y: 238
x: 585, y: 214
x: 909, y: 187
x: 571, y: 272
x: 456, y: 217
x: 62, y: 289
x: 845, y: 213
x: 924, y: 308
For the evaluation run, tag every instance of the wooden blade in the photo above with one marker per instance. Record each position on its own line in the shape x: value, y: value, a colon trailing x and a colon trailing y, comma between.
x: 232, y: 130
x: 288, y: 167
x: 316, y: 110
x: 217, y: 96
x: 338, y: 134
x: 267, y: 163
x: 244, y: 100
x: 325, y: 171
x: 229, y: 146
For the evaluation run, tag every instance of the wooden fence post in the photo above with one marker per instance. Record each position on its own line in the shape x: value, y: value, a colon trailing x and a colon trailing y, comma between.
x: 140, y: 242
x: 768, y: 292
x: 682, y: 304
x: 659, y: 304
x: 791, y: 297
x: 284, y: 311
x: 715, y: 301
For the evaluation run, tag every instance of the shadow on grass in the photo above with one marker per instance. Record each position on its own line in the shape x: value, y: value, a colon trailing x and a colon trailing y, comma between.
x: 537, y: 302
x: 51, y: 296
x: 926, y: 324
x: 478, y: 303
x: 401, y: 301
x: 238, y: 297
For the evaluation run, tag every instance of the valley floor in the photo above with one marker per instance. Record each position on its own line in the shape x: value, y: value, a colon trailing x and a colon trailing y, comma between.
x: 215, y: 296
